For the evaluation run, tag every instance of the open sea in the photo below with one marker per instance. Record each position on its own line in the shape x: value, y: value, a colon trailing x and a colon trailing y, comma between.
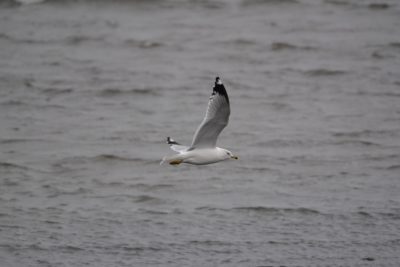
x: 89, y: 91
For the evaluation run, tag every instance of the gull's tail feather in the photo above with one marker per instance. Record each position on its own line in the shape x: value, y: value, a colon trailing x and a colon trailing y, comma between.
x: 163, y: 160
x: 175, y: 146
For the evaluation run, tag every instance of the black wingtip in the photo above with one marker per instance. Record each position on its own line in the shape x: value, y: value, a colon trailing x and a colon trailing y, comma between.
x: 219, y: 88
x: 218, y: 80
x: 171, y: 141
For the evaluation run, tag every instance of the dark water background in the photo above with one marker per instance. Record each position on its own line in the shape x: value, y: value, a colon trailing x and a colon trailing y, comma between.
x: 90, y: 89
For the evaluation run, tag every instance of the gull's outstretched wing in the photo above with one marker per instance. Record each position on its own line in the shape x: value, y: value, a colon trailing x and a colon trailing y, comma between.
x: 217, y: 117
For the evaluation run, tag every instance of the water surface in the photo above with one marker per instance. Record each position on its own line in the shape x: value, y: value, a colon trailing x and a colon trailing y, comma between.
x: 89, y: 91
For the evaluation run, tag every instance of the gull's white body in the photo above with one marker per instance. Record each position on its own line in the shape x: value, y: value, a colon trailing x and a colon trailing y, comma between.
x: 200, y: 156
x: 203, y: 149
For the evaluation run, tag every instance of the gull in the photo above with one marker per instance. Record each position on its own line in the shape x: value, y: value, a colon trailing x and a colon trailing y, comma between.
x: 203, y: 149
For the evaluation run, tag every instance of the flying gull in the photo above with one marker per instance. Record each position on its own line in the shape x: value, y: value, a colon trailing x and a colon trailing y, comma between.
x: 203, y: 149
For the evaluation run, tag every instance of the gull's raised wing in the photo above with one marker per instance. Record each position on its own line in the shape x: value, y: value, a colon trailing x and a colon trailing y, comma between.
x: 217, y: 117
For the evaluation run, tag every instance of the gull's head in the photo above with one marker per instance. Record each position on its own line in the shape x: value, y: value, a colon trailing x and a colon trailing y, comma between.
x: 229, y: 155
x: 218, y: 81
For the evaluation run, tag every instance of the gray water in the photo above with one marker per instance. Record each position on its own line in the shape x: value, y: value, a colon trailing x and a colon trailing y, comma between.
x: 89, y: 90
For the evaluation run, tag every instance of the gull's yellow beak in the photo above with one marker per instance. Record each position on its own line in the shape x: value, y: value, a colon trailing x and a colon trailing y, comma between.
x: 234, y: 157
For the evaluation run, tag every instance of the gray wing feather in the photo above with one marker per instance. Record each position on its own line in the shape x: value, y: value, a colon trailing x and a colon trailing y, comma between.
x: 216, y: 119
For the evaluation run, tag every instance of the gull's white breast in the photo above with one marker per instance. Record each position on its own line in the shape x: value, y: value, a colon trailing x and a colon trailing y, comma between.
x: 204, y: 156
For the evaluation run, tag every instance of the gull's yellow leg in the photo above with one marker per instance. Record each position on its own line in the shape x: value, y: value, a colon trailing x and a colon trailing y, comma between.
x: 175, y: 162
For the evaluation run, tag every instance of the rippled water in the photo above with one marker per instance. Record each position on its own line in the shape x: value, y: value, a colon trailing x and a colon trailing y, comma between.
x: 89, y: 90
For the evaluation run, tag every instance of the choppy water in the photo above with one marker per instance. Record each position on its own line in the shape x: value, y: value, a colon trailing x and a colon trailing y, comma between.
x: 89, y: 90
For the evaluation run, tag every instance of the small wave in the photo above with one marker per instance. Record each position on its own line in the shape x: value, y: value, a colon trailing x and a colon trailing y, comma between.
x: 364, y: 214
x: 368, y: 259
x: 378, y: 55
x: 11, y: 103
x: 8, y: 182
x: 5, y: 37
x: 324, y: 72
x: 153, y: 212
x: 280, y: 106
x: 379, y: 94
x: 28, y: 2
x: 137, y: 3
x: 147, y: 3
x: 378, y: 6
x: 148, y: 187
x: 10, y: 226
x: 209, y: 4
x: 67, y: 248
x: 208, y: 208
x: 7, y: 165
x: 54, y: 91
x: 261, y: 209
x: 55, y: 192
x: 348, y: 134
x: 130, y: 248
x: 371, y: 6
x: 79, y: 39
x: 210, y: 243
x: 391, y: 167
x: 65, y: 163
x: 258, y: 169
x: 146, y: 198
x: 8, y: 3
x: 70, y: 40
x: 281, y: 143
x: 390, y: 215
x: 10, y: 247
x: 141, y: 186
x: 133, y: 198
x: 34, y: 247
x: 356, y: 142
x: 19, y: 140
x: 277, y: 46
x: 18, y: 103
x: 110, y: 157
x: 10, y: 38
x: 381, y: 157
x: 109, y: 184
x: 280, y: 46
x: 394, y: 44
x: 51, y: 222
x: 365, y: 133
x: 112, y: 92
x: 145, y: 44
x: 13, y: 39
x: 268, y: 2
x: 96, y: 2
x: 240, y: 42
x: 338, y: 2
